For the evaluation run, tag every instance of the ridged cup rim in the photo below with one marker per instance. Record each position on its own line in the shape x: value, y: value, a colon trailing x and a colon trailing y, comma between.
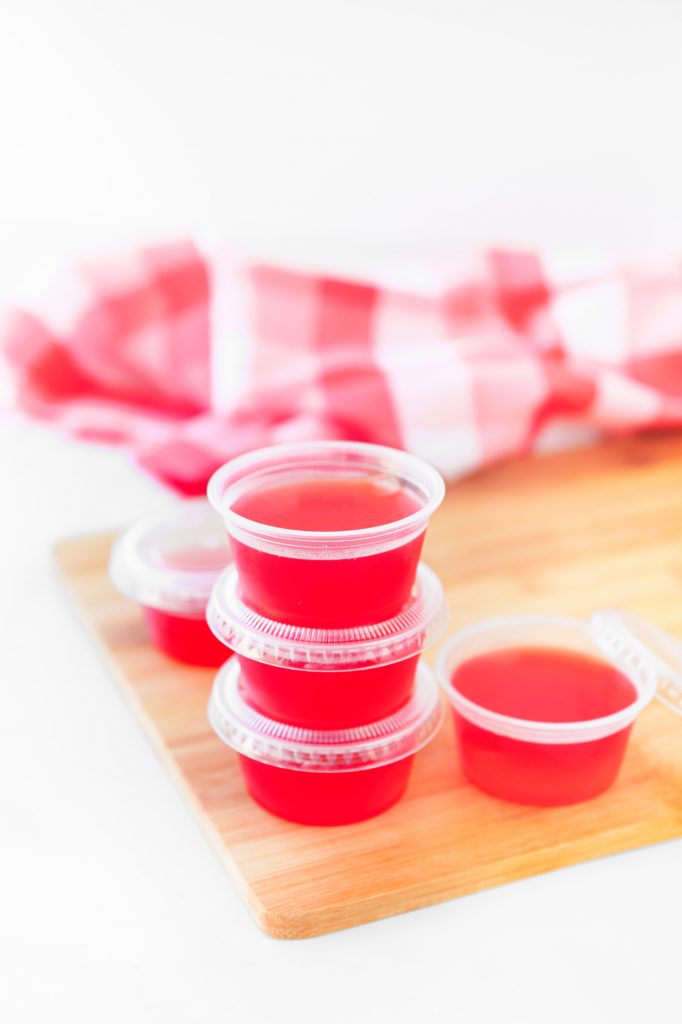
x: 418, y: 625
x: 409, y: 469
x: 359, y: 748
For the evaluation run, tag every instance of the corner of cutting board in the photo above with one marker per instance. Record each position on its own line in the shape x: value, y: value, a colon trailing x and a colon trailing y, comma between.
x: 279, y: 925
x: 290, y: 924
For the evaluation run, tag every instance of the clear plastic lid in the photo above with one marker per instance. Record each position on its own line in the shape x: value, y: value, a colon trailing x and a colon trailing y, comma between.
x: 171, y: 560
x: 315, y: 750
x: 418, y: 625
x: 636, y: 646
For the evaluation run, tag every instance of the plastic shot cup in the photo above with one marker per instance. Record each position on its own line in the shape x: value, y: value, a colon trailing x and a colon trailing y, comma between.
x: 324, y: 777
x: 581, y: 684
x: 168, y: 564
x: 328, y: 678
x: 305, y: 572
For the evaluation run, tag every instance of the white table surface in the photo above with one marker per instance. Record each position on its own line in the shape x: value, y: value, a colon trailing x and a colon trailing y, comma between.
x: 115, y: 909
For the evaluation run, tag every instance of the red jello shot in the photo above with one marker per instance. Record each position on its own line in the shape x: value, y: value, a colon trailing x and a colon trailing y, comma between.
x: 544, y: 706
x: 324, y: 777
x: 328, y: 678
x: 326, y: 534
x: 168, y: 563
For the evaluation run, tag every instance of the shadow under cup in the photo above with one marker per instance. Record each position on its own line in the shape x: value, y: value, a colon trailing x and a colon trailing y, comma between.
x: 326, y: 578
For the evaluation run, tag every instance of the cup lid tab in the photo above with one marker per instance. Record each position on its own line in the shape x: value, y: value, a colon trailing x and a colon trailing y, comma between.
x: 638, y: 647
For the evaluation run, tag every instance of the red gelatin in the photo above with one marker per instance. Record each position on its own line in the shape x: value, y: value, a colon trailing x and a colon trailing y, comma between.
x: 326, y: 534
x: 541, y: 774
x: 328, y: 700
x: 328, y: 503
x: 333, y: 592
x: 186, y: 639
x: 538, y: 725
x: 328, y: 678
x: 324, y: 777
x: 542, y: 685
x: 339, y: 592
x: 326, y: 798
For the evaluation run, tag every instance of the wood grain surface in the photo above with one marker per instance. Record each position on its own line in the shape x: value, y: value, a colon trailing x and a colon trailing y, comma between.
x: 561, y: 534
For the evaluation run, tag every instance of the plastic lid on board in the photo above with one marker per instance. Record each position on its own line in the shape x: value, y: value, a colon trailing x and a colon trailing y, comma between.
x: 314, y: 750
x: 419, y: 624
x: 639, y: 648
x: 171, y: 560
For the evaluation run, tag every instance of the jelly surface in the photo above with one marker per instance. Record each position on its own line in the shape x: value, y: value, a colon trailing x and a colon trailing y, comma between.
x: 335, y: 592
x: 329, y: 503
x: 543, y: 685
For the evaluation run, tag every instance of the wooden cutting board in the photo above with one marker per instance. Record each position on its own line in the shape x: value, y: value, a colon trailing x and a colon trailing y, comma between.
x: 562, y: 534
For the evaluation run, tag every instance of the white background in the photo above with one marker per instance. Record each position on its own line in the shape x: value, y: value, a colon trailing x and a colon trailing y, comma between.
x: 320, y: 129
x: 326, y: 133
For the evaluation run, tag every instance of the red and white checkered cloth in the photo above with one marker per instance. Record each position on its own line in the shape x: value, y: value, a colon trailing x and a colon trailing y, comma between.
x: 189, y: 357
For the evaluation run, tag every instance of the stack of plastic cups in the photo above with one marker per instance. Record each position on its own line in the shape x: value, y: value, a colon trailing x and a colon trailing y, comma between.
x: 327, y: 700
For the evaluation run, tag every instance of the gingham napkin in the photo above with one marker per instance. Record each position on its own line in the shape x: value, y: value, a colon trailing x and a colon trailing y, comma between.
x: 189, y: 357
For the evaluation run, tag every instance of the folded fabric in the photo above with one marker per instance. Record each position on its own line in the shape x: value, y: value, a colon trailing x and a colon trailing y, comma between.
x: 190, y: 357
